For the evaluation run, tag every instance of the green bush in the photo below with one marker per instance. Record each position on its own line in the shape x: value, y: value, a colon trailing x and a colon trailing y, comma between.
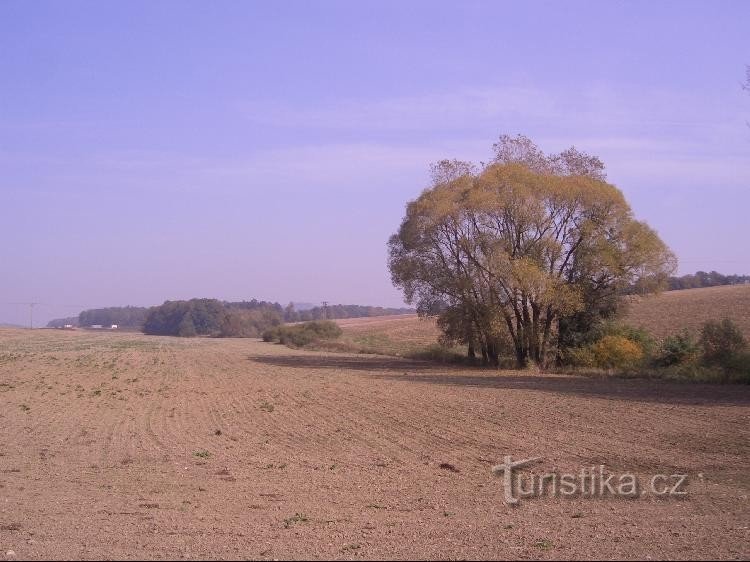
x: 738, y: 368
x: 678, y: 350
x: 579, y: 357
x: 721, y: 342
x: 300, y: 335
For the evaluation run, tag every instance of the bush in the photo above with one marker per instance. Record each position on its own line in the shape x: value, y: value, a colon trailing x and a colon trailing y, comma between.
x: 738, y: 368
x: 640, y: 336
x: 721, y: 342
x: 579, y: 357
x: 239, y: 323
x: 617, y: 352
x: 678, y: 350
x: 271, y: 334
x: 300, y: 335
x: 615, y: 346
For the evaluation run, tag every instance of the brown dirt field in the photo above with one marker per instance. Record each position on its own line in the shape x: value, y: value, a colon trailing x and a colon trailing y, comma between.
x: 131, y: 446
x: 668, y: 313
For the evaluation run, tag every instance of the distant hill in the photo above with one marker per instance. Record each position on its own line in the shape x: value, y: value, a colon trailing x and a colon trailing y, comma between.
x: 6, y: 325
x: 670, y: 312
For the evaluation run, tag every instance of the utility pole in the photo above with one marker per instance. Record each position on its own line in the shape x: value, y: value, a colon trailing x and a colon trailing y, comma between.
x: 31, y: 306
x: 325, y: 309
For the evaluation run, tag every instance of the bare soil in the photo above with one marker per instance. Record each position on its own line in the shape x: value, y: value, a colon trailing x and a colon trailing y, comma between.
x: 131, y: 446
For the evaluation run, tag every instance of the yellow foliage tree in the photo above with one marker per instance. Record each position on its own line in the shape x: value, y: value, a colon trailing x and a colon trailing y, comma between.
x: 512, y: 247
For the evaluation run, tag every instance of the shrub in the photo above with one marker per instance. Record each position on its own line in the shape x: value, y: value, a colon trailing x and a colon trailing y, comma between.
x: 579, y: 357
x: 271, y: 334
x: 617, y: 352
x: 738, y: 368
x: 640, y: 336
x: 615, y: 346
x: 677, y: 350
x: 239, y: 323
x: 300, y: 335
x: 721, y: 342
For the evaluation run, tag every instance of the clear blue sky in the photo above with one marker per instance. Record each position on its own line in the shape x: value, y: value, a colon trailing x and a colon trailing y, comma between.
x: 165, y: 150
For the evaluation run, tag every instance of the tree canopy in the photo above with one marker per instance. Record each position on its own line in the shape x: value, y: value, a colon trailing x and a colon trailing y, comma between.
x: 506, y: 251
x: 123, y: 316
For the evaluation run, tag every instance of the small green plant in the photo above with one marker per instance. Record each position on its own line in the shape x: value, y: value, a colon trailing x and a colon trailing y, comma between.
x: 543, y: 544
x: 298, y: 518
x: 266, y: 406
x: 24, y: 407
x: 202, y: 454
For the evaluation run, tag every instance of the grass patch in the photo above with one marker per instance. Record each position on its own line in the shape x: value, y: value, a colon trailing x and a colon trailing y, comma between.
x: 298, y: 518
x: 266, y: 406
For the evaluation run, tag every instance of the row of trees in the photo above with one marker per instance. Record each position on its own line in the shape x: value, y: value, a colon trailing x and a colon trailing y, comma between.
x: 124, y: 316
x: 526, y: 253
x: 704, y: 279
x: 213, y: 317
x: 210, y: 317
x: 335, y: 311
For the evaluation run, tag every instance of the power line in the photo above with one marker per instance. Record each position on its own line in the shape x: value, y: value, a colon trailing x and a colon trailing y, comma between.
x: 31, y: 306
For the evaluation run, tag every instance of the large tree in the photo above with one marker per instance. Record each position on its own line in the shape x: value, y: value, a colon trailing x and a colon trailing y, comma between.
x: 509, y: 250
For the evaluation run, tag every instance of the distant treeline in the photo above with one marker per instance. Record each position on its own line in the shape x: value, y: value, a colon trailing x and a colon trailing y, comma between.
x: 124, y: 316
x: 211, y: 317
x: 335, y: 311
x: 703, y: 279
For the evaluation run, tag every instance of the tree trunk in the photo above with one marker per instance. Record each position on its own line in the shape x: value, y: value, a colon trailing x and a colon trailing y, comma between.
x: 493, y: 354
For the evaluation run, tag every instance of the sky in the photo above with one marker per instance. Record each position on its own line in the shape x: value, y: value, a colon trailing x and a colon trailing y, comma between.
x: 236, y: 150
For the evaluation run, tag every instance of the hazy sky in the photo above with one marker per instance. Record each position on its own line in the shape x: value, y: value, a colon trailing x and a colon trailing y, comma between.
x: 166, y: 150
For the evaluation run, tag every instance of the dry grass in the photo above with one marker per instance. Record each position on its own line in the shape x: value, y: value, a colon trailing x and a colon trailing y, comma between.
x: 400, y: 335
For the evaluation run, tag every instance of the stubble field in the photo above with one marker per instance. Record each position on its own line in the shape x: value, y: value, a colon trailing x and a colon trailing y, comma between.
x: 129, y: 446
